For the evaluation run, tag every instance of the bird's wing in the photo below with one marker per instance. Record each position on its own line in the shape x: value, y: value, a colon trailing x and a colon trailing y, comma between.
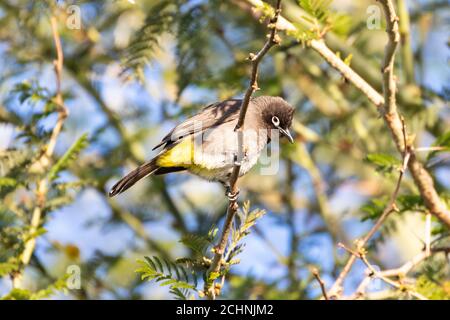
x: 208, y: 117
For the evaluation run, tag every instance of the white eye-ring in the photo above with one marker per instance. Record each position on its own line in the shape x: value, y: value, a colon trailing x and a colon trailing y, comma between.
x: 275, y: 121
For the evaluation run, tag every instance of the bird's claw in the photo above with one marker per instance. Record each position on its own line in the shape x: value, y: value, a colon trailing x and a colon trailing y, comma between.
x: 232, y: 196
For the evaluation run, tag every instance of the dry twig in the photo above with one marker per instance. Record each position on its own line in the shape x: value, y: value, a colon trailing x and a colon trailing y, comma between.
x: 316, y: 275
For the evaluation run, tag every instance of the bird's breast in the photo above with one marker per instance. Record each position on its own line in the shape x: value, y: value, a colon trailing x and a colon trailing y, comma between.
x: 211, y: 154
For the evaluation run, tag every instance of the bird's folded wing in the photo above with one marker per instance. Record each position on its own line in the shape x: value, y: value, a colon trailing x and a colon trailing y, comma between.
x: 211, y: 116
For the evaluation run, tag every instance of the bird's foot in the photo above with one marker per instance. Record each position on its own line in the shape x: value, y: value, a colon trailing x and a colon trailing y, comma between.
x: 232, y: 196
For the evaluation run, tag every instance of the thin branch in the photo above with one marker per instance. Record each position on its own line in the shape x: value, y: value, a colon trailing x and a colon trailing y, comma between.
x: 361, y: 255
x: 400, y: 272
x: 44, y: 161
x: 389, y: 79
x: 403, y: 270
x: 255, y: 59
x: 336, y: 289
x: 316, y: 275
x: 405, y: 38
x: 428, y: 233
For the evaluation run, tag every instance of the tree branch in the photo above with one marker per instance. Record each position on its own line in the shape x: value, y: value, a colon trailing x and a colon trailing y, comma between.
x: 316, y: 275
x: 421, y: 177
x: 219, y: 250
x: 373, y: 272
x: 45, y: 159
x: 336, y: 289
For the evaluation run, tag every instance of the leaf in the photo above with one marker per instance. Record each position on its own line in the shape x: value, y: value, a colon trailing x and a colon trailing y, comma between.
x: 161, y: 19
x: 7, y: 182
x: 70, y: 155
x: 410, y: 203
x: 432, y: 290
x: 384, y: 162
x: 373, y: 209
x: 7, y: 267
x: 153, y: 269
x: 442, y: 141
x: 197, y: 243
x: 214, y: 275
x: 13, y: 159
x: 17, y: 294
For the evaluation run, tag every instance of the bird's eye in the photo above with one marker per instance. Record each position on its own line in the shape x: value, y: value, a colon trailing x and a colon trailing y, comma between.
x: 275, y: 121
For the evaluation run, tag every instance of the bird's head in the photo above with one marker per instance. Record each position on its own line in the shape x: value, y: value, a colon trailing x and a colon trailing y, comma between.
x: 276, y: 114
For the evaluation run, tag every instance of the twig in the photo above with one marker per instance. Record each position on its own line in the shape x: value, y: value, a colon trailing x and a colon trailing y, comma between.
x: 336, y: 289
x: 428, y: 233
x: 219, y: 250
x: 427, y: 149
x: 421, y: 176
x: 316, y: 275
x: 406, y: 50
x: 399, y: 272
x: 44, y: 160
x: 373, y: 272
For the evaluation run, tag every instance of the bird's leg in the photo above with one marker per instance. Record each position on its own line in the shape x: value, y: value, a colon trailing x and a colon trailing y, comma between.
x: 232, y: 196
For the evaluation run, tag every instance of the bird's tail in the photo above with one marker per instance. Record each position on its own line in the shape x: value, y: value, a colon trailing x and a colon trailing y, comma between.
x: 134, y: 176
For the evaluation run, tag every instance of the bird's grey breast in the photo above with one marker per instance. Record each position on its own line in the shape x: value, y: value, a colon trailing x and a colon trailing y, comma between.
x: 216, y: 150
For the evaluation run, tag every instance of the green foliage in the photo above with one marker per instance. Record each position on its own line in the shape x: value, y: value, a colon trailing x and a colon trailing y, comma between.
x: 176, y: 274
x: 247, y: 219
x: 192, y: 47
x: 412, y: 202
x: 384, y: 163
x: 7, y: 267
x: 319, y: 9
x: 433, y: 290
x: 23, y: 294
x: 321, y: 19
x: 13, y: 159
x: 168, y: 273
x: 198, y: 243
x: 70, y: 155
x: 373, y: 209
x: 443, y: 141
x: 161, y: 19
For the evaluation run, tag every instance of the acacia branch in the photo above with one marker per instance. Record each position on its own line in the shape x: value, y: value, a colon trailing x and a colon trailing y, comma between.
x: 375, y: 273
x: 336, y: 289
x: 421, y: 177
x: 45, y: 159
x: 316, y: 275
x: 219, y: 250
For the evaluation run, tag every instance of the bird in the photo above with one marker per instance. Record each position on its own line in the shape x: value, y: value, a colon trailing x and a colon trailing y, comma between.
x: 207, y: 144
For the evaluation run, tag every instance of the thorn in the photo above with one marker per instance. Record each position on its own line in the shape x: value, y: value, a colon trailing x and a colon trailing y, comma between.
x: 395, y: 208
x: 276, y: 39
x: 255, y: 87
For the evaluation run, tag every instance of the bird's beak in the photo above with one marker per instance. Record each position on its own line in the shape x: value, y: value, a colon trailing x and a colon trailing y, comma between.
x: 287, y: 134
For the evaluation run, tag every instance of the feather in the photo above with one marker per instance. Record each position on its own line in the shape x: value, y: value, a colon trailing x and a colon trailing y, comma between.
x: 133, y: 177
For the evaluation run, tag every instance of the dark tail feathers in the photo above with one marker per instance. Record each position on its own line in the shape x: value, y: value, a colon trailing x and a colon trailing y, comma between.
x: 134, y: 176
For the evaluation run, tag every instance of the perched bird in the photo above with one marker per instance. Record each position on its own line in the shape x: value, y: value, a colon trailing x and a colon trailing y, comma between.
x: 206, y: 144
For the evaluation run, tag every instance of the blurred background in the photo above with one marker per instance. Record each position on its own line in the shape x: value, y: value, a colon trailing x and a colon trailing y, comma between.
x: 134, y: 69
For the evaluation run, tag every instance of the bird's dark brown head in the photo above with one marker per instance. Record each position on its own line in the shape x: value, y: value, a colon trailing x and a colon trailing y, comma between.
x: 276, y: 114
